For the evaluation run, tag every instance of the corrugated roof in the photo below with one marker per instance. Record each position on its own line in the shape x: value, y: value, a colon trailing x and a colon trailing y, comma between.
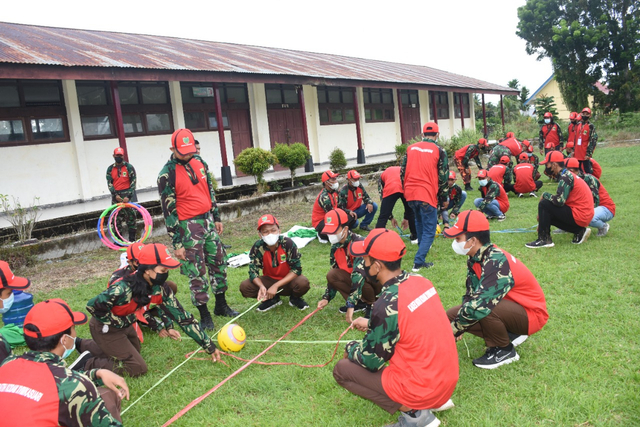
x: 36, y: 45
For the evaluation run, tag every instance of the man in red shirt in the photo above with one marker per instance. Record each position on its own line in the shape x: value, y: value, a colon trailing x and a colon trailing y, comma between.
x: 524, y: 178
x: 121, y: 180
x: 550, y: 135
x: 573, y: 127
x: 514, y: 146
x: 464, y: 155
x: 327, y: 200
x: 494, y: 201
x: 422, y: 370
x: 353, y: 197
x: 390, y: 189
x: 586, y: 141
x: 504, y: 304
x: 502, y: 173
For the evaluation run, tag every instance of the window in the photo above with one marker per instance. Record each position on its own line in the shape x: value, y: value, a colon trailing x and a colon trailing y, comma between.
x: 96, y: 109
x: 335, y: 105
x: 439, y: 101
x: 281, y: 96
x: 378, y: 105
x: 32, y: 112
x: 409, y: 98
x: 199, y: 104
x: 465, y: 105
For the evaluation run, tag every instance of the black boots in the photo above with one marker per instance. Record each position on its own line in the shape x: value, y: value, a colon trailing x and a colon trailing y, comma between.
x: 206, y: 322
x: 222, y: 308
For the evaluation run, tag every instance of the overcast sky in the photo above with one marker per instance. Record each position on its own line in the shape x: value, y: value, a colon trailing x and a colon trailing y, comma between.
x: 473, y: 38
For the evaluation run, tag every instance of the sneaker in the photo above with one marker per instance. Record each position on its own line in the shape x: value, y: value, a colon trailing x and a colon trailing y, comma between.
x: 414, y: 239
x: 365, y: 228
x: 226, y: 246
x: 422, y: 418
x: 501, y: 218
x: 496, y: 356
x: 269, y: 304
x: 490, y: 216
x: 516, y: 339
x: 360, y: 306
x: 603, y: 231
x: 417, y: 267
x: 540, y: 244
x: 520, y: 195
x: 468, y: 187
x: 559, y: 231
x: 582, y: 236
x: 322, y: 240
x: 533, y: 194
x: 81, y: 361
x: 225, y: 310
x: 298, y: 303
x: 448, y: 405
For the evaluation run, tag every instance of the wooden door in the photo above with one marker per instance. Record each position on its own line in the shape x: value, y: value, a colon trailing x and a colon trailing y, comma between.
x: 411, y: 122
x: 285, y: 127
x: 240, y: 126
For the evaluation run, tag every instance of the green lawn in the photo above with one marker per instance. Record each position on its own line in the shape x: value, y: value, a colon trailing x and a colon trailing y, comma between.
x: 581, y: 369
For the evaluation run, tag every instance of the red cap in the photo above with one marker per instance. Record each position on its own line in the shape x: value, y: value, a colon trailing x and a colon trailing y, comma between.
x: 505, y: 160
x: 530, y: 149
x: 573, y: 116
x: 554, y: 157
x: 430, y: 127
x: 452, y: 175
x: 183, y: 141
x: 548, y: 114
x: 353, y: 174
x: 133, y: 251
x: 570, y: 144
x: 483, y: 142
x: 267, y: 219
x: 523, y: 156
x: 468, y: 222
x: 9, y: 281
x: 157, y: 254
x: 333, y: 220
x: 327, y: 175
x: 482, y: 173
x: 526, y: 143
x: 381, y: 244
x: 510, y: 135
x: 118, y: 151
x: 572, y: 163
x: 52, y: 317
x: 586, y: 110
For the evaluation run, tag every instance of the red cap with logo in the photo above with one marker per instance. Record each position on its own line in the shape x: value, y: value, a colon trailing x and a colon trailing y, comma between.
x: 267, y: 219
x: 327, y: 175
x: 482, y: 173
x: 510, y: 135
x: 468, y: 222
x: 353, y: 174
x: 554, y: 157
x: 381, y: 244
x: 133, y: 250
x: 586, y: 110
x: 51, y: 317
x: 526, y: 143
x: 505, y: 160
x: 118, y: 151
x: 157, y: 254
x: 530, y: 149
x: 483, y: 142
x: 548, y: 115
x: 452, y: 175
x: 9, y: 281
x: 572, y: 163
x: 183, y: 142
x: 430, y: 127
x: 523, y: 156
x: 573, y: 116
x: 333, y: 220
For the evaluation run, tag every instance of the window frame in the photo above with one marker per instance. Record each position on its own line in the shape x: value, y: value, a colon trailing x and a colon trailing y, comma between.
x: 386, y: 108
x: 438, y: 105
x: 331, y: 107
x: 466, y: 108
x: 207, y: 108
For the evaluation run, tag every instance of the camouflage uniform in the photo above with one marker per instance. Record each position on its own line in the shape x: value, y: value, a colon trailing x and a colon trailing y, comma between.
x: 5, y: 349
x: 257, y: 256
x: 565, y: 185
x: 129, y: 214
x: 493, y: 191
x: 497, y: 152
x: 343, y: 196
x: 204, y: 250
x: 594, y: 186
x: 80, y: 401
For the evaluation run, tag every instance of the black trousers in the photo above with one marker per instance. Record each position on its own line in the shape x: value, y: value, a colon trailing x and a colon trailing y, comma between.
x: 586, y: 167
x: 386, y: 210
x: 559, y: 216
x: 512, y: 187
x: 320, y: 226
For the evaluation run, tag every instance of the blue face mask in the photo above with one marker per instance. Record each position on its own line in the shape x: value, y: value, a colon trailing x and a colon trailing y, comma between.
x: 547, y: 121
x: 7, y: 303
x: 67, y: 352
x: 483, y: 182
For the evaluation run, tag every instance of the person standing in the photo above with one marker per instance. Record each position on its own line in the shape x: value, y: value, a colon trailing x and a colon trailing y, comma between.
x: 327, y: 200
x: 194, y: 225
x: 586, y: 141
x: 390, y: 189
x: 570, y: 209
x: 464, y: 155
x: 503, y: 304
x: 353, y: 197
x: 524, y: 178
x: 121, y: 180
x: 275, y: 266
x: 550, y: 135
x: 573, y: 127
x: 400, y: 364
x: 424, y: 173
x: 494, y: 201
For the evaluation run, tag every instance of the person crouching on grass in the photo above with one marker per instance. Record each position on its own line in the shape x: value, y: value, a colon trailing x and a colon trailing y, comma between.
x: 503, y: 304
x: 114, y: 314
x: 422, y: 370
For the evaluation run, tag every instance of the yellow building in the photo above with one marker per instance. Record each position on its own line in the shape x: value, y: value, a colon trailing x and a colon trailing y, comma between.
x: 551, y: 88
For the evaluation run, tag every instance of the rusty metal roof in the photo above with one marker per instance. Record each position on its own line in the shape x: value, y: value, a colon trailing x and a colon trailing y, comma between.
x: 36, y: 45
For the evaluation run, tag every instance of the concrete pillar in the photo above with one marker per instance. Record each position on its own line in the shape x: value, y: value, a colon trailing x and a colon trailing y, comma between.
x: 175, y: 93
x: 396, y: 114
x: 452, y: 114
x: 424, y: 98
x: 259, y: 116
x: 313, y: 119
x: 76, y: 136
x: 472, y: 110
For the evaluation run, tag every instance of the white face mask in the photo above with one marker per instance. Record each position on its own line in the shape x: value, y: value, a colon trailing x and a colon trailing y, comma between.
x: 547, y: 121
x: 458, y: 247
x: 68, y: 351
x: 271, y: 239
x: 335, y: 238
x: 483, y: 182
x: 7, y: 303
x: 356, y: 183
x: 335, y: 186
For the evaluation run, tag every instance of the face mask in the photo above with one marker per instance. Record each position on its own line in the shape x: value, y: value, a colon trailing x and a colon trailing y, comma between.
x: 547, y: 121
x: 160, y: 278
x: 271, y: 239
x: 458, y: 247
x: 335, y: 238
x: 549, y: 171
x: 7, y: 303
x: 335, y: 186
x: 119, y: 160
x: 356, y: 183
x: 585, y: 118
x: 68, y: 351
x: 483, y: 182
x: 370, y: 277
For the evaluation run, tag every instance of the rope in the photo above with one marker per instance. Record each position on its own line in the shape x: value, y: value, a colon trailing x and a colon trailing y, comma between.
x: 242, y: 368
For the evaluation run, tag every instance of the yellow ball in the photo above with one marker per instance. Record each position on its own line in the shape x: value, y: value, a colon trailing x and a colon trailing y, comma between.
x: 438, y: 229
x: 232, y: 338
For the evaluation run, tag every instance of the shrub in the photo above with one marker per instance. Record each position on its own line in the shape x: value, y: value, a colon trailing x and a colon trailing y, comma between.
x: 337, y: 160
x: 255, y: 161
x: 23, y: 219
x: 291, y: 156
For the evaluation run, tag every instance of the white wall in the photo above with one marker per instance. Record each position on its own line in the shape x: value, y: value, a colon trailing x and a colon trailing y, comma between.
x: 341, y: 136
x: 381, y: 138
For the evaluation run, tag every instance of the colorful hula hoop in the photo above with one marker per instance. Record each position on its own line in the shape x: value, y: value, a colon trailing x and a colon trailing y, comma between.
x: 113, y: 239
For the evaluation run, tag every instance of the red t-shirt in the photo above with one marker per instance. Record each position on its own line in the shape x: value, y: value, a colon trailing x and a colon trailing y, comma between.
x: 120, y: 177
x: 571, y: 133
x: 605, y: 199
x: 514, y: 146
x: 597, y: 169
x: 354, y: 202
x: 192, y: 199
x: 580, y: 201
x: 497, y: 172
x: 421, y: 173
x: 317, y: 214
x: 583, y: 136
x: 283, y: 267
x: 503, y: 199
x: 423, y: 371
x: 551, y: 137
x: 391, y: 179
x: 524, y: 178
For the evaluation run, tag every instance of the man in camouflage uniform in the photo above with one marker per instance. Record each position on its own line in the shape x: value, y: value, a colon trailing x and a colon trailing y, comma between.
x: 346, y: 275
x: 422, y: 369
x: 496, y: 153
x: 504, y: 303
x: 327, y: 199
x: 453, y: 202
x: 121, y: 179
x: 37, y: 389
x: 353, y: 197
x: 194, y: 225
x: 464, y: 155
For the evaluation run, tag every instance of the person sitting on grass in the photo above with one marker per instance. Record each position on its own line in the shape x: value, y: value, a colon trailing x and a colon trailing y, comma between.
x: 327, y: 199
x: 8, y: 282
x: 453, y: 202
x: 570, y: 209
x: 494, y: 201
x: 503, y: 303
x: 114, y: 314
x: 37, y: 389
x: 353, y: 197
x: 407, y: 359
x: 347, y: 272
x: 275, y: 266
x: 524, y: 178
x: 534, y: 160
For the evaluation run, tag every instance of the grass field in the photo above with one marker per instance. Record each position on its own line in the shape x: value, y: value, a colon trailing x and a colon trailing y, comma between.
x: 581, y: 369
